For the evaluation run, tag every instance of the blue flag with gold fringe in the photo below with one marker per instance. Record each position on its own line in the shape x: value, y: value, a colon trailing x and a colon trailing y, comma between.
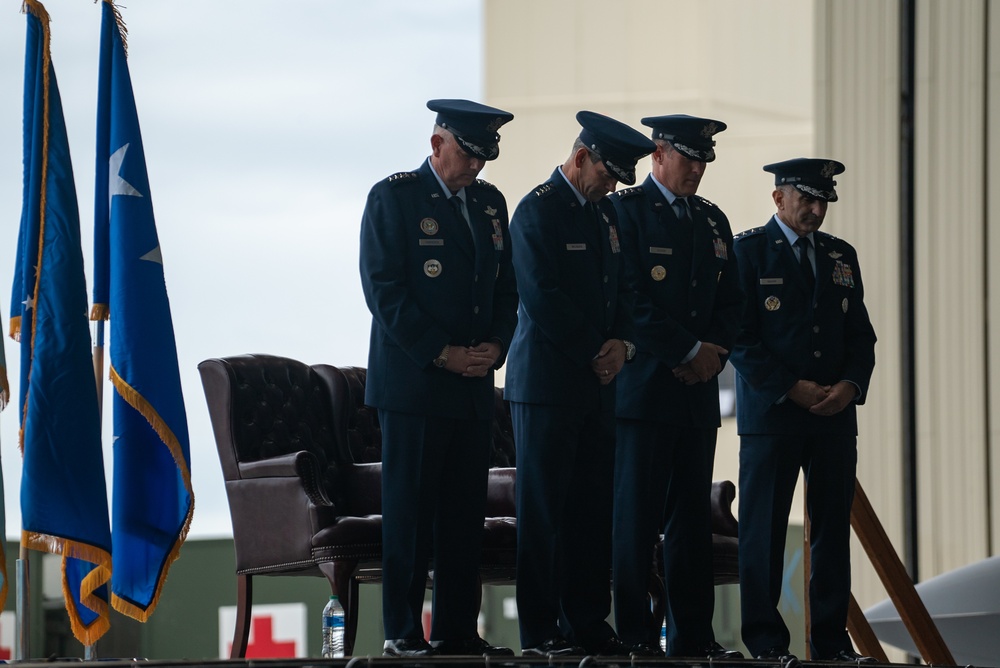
x: 64, y: 506
x: 152, y: 501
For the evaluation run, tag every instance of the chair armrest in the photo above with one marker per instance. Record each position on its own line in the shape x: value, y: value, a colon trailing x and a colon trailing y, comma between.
x: 723, y: 521
x: 302, y: 465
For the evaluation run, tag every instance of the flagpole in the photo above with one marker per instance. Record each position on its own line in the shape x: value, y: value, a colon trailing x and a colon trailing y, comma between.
x: 23, y: 607
x: 90, y: 651
x: 99, y: 366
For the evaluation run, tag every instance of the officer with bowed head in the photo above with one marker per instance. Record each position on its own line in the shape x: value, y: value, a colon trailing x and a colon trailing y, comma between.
x: 437, y: 277
x: 804, y: 359
x: 573, y: 336
x: 688, y: 303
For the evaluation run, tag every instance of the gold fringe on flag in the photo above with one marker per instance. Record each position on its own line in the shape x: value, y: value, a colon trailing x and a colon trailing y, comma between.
x: 37, y: 10
x: 122, y: 30
x: 15, y: 328
x: 101, y: 574
x: 98, y: 576
x: 4, y: 398
x: 166, y: 434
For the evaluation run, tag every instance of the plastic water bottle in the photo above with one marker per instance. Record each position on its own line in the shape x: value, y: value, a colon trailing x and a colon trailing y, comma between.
x: 663, y: 636
x: 333, y: 629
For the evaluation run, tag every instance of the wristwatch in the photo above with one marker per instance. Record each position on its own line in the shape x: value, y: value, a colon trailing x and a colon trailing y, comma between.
x: 442, y: 359
x: 629, y: 350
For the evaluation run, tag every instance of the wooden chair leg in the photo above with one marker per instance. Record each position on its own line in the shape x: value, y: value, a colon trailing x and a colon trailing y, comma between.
x: 244, y: 606
x: 351, y: 623
x: 344, y: 585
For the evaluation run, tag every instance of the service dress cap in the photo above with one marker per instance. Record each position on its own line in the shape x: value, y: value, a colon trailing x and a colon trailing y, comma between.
x: 474, y: 125
x: 691, y: 136
x: 618, y: 145
x: 811, y: 176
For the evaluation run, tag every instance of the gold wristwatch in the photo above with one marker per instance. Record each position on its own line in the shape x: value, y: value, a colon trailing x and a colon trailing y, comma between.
x: 442, y: 359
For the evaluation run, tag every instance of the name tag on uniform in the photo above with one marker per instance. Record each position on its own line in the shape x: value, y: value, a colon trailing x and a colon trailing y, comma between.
x: 656, y: 250
x: 432, y: 242
x: 576, y: 246
x: 772, y: 281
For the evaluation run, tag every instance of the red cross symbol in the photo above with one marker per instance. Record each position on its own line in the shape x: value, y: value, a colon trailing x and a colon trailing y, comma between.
x: 262, y: 642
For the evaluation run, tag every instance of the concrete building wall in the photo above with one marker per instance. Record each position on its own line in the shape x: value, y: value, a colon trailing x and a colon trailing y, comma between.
x: 747, y: 64
x: 857, y: 105
x: 816, y: 78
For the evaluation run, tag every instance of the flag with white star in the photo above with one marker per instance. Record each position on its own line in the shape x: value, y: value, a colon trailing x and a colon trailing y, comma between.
x: 152, y: 498
x: 64, y: 506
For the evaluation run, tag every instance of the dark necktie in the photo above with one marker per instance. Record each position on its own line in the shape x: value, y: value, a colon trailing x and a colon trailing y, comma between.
x: 459, y: 206
x: 681, y: 208
x: 802, y: 243
x: 685, y: 224
x: 593, y: 229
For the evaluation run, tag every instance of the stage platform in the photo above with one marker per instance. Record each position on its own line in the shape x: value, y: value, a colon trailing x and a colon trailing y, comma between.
x: 445, y: 662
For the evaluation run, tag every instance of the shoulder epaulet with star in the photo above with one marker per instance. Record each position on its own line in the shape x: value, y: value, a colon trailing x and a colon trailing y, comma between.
x: 486, y: 184
x: 400, y: 177
x: 629, y: 192
x: 826, y: 235
x: 544, y: 189
x: 749, y: 233
x: 706, y: 201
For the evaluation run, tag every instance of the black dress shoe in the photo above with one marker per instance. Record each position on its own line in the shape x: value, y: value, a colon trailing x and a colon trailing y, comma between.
x: 469, y: 647
x: 408, y: 647
x: 852, y: 656
x: 717, y: 651
x: 554, y: 647
x: 781, y: 656
x: 645, y: 650
x: 612, y: 646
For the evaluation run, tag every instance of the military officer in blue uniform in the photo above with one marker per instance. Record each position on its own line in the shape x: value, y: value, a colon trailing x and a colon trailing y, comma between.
x: 804, y: 357
x: 573, y: 336
x: 437, y: 276
x: 679, y: 251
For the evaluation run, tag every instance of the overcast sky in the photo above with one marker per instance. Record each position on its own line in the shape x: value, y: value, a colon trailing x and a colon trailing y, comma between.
x: 264, y: 126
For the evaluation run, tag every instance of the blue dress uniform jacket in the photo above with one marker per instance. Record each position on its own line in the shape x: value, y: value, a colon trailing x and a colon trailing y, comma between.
x: 428, y: 284
x: 574, y: 297
x: 431, y: 279
x: 697, y: 298
x: 686, y: 287
x: 789, y: 334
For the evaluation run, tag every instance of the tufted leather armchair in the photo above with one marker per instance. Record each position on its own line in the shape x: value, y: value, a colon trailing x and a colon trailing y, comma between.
x: 301, y: 457
x: 299, y: 503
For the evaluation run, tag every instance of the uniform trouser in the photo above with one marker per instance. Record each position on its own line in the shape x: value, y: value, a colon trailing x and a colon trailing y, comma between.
x: 565, y: 460
x: 663, y: 480
x: 434, y: 475
x: 769, y: 469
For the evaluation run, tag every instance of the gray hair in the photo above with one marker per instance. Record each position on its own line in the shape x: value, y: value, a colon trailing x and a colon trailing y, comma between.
x: 578, y: 144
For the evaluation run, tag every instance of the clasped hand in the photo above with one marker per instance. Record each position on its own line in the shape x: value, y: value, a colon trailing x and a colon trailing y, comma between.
x: 609, y: 361
x: 823, y: 400
x: 474, y: 362
x: 704, y: 366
